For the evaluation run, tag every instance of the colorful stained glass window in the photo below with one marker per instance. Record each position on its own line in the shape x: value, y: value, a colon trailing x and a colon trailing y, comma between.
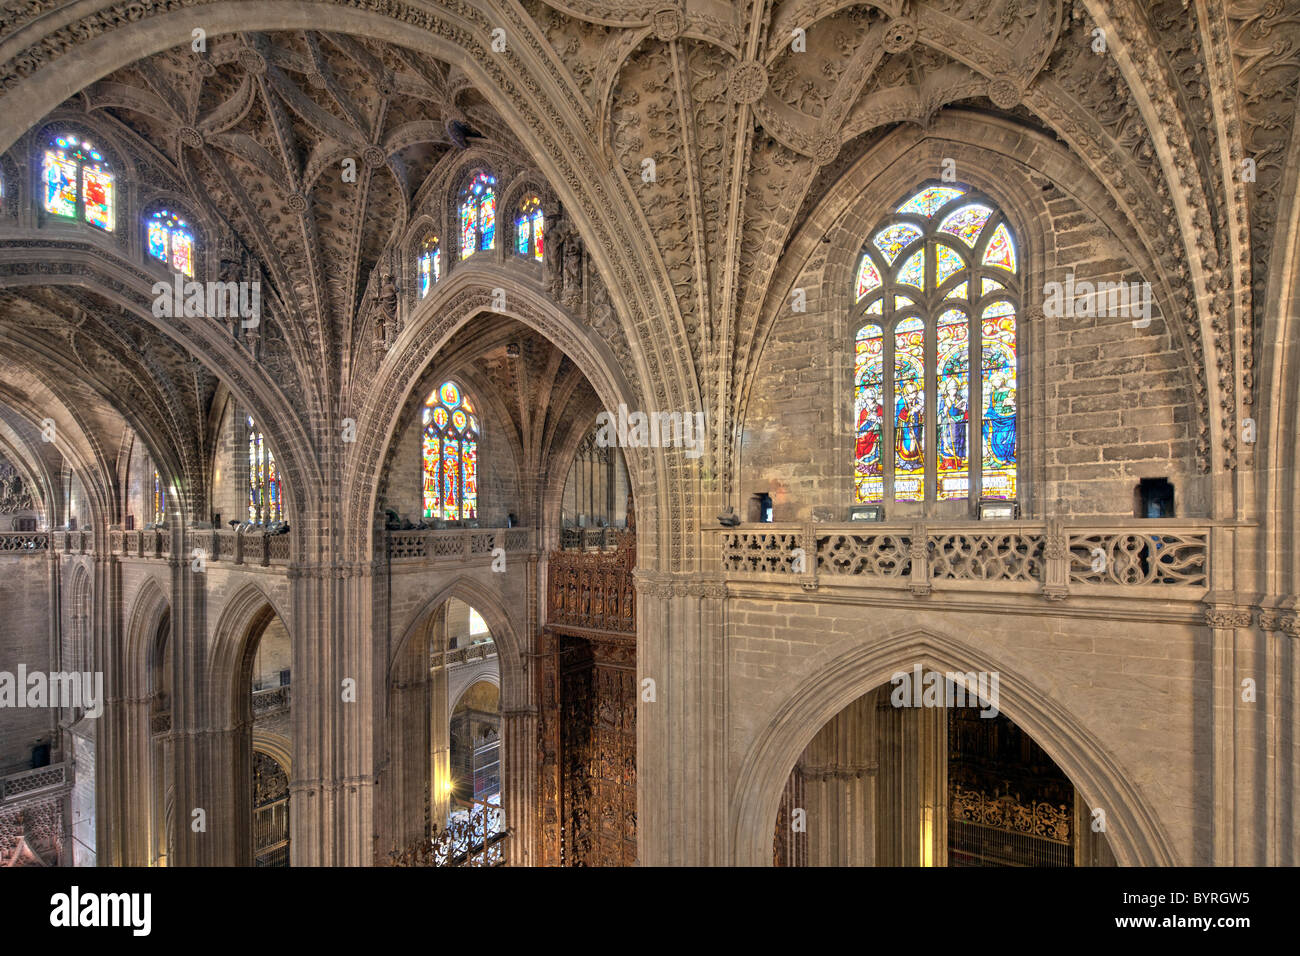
x: 159, y: 499
x: 170, y: 240
x: 912, y: 272
x: 998, y: 370
x: 952, y: 410
x: 430, y: 264
x: 947, y: 262
x: 869, y: 403
x: 909, y: 410
x: 868, y: 277
x: 478, y: 215
x: 75, y: 174
x: 939, y: 400
x: 966, y: 223
x: 528, y: 229
x: 265, y: 493
x: 894, y: 239
x: 450, y: 455
x: 1001, y: 251
x: 929, y: 201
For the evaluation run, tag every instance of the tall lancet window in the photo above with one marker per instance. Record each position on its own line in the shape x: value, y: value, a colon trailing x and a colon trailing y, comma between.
x: 265, y: 492
x: 450, y: 454
x: 528, y: 228
x: 78, y: 183
x: 159, y: 499
x: 937, y: 297
x: 430, y: 264
x: 478, y: 215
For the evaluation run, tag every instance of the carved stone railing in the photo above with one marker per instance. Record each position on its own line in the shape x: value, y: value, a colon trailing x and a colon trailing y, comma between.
x: 593, y: 590
x: 73, y: 542
x: 149, y: 543
x: 457, y: 544
x: 256, y: 549
x: 589, y: 539
x: 29, y: 782
x: 276, y: 700
x: 1165, y: 556
x: 24, y: 542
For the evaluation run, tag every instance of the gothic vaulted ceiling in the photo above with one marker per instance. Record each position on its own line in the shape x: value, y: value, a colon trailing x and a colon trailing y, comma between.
x: 689, y: 142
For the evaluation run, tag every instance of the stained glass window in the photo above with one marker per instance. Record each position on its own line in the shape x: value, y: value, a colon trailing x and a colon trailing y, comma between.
x: 1001, y: 252
x: 265, y: 492
x: 430, y: 264
x: 998, y: 370
x: 928, y: 201
x: 895, y: 239
x: 912, y: 271
x: 478, y: 215
x: 77, y: 178
x: 948, y: 262
x: 921, y: 331
x: 869, y: 378
x: 159, y: 499
x: 868, y: 278
x: 953, y: 408
x: 967, y: 222
x: 528, y: 229
x: 450, y: 455
x: 170, y: 240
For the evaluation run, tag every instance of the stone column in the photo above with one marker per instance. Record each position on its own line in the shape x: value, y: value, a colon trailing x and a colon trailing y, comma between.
x: 439, y: 738
x: 681, y: 732
x: 912, y: 826
x: 839, y: 773
x: 406, y: 773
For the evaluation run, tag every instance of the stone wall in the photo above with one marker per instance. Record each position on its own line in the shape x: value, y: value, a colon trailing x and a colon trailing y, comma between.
x: 25, y: 640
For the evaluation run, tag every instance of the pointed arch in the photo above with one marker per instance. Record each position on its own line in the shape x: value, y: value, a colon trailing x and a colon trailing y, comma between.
x: 1134, y: 832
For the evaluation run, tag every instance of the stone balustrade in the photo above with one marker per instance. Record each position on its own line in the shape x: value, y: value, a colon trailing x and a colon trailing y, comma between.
x: 1170, y: 557
x: 456, y: 544
x: 24, y: 542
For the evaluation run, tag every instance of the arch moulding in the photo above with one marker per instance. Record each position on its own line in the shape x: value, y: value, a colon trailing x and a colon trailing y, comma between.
x: 1135, y: 835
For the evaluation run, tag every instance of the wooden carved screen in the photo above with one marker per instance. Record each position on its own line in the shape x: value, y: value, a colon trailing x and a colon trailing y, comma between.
x: 586, y: 695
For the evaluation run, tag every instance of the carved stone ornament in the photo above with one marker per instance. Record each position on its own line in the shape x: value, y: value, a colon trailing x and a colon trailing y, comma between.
x: 1005, y: 93
x: 252, y: 61
x: 1227, y: 617
x: 297, y: 202
x: 668, y: 23
x: 748, y: 82
x: 191, y: 137
x: 373, y: 157
x: 900, y: 35
x: 826, y: 148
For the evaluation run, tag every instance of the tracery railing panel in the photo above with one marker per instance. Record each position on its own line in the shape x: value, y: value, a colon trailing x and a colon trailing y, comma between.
x: 1172, y: 555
